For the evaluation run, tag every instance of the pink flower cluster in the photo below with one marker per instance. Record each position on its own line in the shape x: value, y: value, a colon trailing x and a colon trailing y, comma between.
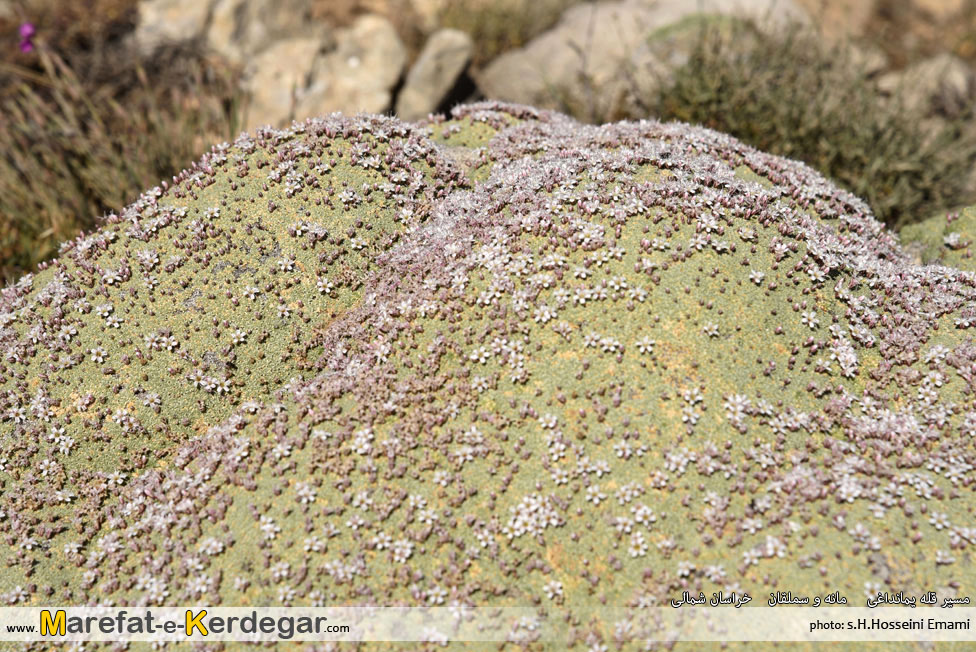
x: 27, y: 32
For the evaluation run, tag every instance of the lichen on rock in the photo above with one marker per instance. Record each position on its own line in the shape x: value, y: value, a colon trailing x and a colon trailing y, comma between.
x: 501, y: 358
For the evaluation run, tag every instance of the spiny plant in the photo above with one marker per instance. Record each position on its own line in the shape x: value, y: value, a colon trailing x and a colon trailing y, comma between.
x: 501, y: 358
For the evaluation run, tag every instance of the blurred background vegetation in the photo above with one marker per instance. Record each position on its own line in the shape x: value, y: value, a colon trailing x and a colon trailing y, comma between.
x: 799, y: 96
x: 85, y: 125
x: 85, y: 128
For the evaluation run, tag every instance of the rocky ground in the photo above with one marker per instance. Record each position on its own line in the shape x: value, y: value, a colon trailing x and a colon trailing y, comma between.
x: 298, y: 67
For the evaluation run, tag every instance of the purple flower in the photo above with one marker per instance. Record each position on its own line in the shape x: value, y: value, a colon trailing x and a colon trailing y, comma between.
x: 27, y: 31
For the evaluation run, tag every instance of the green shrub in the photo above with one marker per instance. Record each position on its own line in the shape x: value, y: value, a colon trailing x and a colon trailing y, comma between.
x: 794, y: 96
x: 70, y: 152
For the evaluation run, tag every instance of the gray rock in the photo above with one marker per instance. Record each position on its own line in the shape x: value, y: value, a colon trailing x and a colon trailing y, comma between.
x: 359, y: 75
x: 353, y: 70
x: 241, y: 28
x: 170, y: 21
x: 445, y: 56
x: 599, y: 54
x: 277, y: 77
x: 564, y: 67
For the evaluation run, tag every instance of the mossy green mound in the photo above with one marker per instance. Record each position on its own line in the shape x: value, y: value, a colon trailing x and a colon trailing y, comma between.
x: 502, y: 359
x: 948, y: 238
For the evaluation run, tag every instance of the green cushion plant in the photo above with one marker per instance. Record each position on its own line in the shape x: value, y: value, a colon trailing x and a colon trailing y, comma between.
x: 501, y: 358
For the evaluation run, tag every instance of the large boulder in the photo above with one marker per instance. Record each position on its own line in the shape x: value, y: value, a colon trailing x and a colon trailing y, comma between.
x: 294, y: 66
x: 601, y: 53
x: 353, y: 69
x: 239, y: 29
x: 501, y: 359
x: 444, y: 58
x: 278, y: 77
x: 360, y: 74
x: 167, y: 22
